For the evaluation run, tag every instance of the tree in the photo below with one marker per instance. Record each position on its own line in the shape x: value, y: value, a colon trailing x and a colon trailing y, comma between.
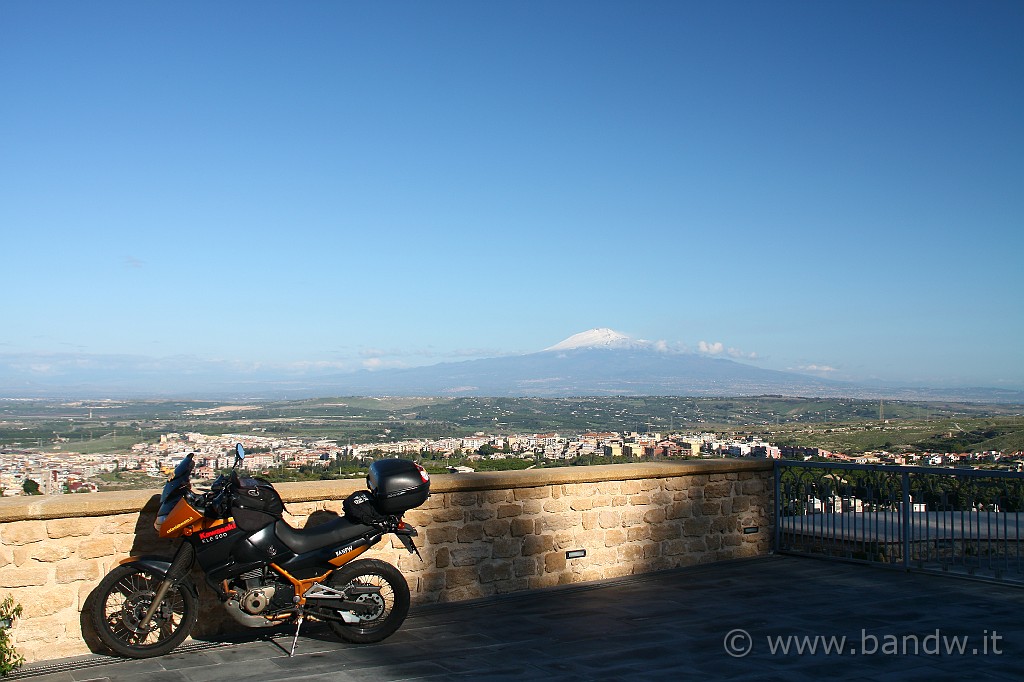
x: 31, y: 487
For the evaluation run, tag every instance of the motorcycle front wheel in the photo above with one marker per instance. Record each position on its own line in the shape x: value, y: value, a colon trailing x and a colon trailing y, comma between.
x: 388, y: 598
x: 122, y: 599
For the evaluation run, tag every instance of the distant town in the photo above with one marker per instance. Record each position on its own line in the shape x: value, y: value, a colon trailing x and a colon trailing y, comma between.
x: 30, y: 471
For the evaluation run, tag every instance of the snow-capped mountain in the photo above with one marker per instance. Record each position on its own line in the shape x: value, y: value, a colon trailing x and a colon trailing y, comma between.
x: 602, y: 337
x: 598, y: 361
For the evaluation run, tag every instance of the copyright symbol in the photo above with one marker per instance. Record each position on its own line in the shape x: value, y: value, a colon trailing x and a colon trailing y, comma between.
x: 738, y: 643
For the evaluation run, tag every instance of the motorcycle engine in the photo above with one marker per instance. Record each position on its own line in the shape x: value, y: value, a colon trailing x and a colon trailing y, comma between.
x: 255, y: 597
x: 256, y: 600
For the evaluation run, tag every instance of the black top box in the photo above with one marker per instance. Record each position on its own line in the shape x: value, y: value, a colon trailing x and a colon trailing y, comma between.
x: 397, y: 485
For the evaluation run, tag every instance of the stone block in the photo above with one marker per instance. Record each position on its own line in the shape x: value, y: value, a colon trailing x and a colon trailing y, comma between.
x: 23, y: 532
x: 537, y: 544
x: 553, y: 506
x: 470, y: 532
x: 506, y: 548
x: 497, y: 496
x: 491, y: 571
x: 25, y: 576
x: 472, y: 590
x: 636, y: 533
x: 464, y: 499
x: 630, y: 487
x: 753, y: 487
x: 581, y: 503
x: 610, y: 519
x: 557, y: 522
x: 666, y: 531
x: 43, y: 552
x: 656, y: 515
x: 554, y: 562
x: 618, y: 571
x: 631, y: 552
x: 70, y: 571
x: 418, y: 518
x: 521, y: 527
x: 91, y: 548
x: 614, y: 537
x: 721, y: 489
x: 459, y: 577
x: 531, y: 507
x: 37, y: 602
x: 633, y: 516
x: 481, y: 514
x: 543, y: 580
x: 441, y: 534
x: 432, y: 582
x: 443, y: 557
x: 498, y: 528
x: 121, y: 524
x: 711, y: 508
x: 679, y: 510
x: 590, y: 520
x: 740, y: 503
x: 539, y: 493
x: 640, y: 500
x: 694, y: 527
x: 433, y: 502
x: 470, y: 556
x: 524, y: 566
x: 662, y: 497
x: 675, y: 547
x: 722, y: 524
x: 509, y: 510
x: 447, y: 515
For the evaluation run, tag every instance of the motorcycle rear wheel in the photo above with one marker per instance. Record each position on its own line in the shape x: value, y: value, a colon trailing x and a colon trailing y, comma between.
x: 122, y: 600
x: 390, y: 602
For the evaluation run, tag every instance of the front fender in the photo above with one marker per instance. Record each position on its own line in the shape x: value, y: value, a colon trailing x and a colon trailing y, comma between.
x: 158, y: 565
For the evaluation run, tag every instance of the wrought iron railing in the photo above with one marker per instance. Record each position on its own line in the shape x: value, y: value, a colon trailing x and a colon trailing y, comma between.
x: 966, y: 521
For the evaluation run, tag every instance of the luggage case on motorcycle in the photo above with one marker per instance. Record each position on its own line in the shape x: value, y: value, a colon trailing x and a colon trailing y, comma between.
x: 397, y: 485
x: 255, y: 504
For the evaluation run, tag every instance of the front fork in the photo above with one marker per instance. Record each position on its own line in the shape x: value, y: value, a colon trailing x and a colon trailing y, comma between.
x: 181, y: 564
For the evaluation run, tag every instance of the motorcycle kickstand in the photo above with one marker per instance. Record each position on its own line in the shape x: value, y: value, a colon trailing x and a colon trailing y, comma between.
x: 298, y: 626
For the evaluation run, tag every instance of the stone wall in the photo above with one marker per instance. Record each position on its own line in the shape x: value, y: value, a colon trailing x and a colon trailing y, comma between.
x: 480, y: 534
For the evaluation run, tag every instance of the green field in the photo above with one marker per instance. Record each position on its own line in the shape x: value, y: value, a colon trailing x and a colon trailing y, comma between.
x: 845, y: 425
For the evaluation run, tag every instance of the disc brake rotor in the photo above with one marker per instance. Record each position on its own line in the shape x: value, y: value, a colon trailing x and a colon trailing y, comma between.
x: 134, y: 610
x: 377, y: 603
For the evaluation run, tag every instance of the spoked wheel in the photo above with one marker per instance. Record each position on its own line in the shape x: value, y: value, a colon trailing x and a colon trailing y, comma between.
x: 122, y: 599
x: 383, y: 588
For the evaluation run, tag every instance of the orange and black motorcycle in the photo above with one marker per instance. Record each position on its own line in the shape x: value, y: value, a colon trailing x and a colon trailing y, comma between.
x: 264, y: 571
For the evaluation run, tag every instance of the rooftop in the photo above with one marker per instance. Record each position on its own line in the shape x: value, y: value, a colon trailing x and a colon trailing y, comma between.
x: 662, y: 626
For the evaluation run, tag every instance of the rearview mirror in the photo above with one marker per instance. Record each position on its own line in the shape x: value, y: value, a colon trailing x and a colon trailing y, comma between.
x: 239, y: 451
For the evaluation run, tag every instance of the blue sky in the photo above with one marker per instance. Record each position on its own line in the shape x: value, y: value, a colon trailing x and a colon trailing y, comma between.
x: 830, y: 185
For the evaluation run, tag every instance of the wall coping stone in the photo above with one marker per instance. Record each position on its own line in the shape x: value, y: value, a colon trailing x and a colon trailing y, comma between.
x: 25, y: 508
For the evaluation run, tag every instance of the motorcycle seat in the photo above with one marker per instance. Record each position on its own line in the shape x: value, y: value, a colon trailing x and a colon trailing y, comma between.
x: 335, y: 532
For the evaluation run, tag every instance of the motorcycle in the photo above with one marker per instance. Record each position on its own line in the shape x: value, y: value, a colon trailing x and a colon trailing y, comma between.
x: 265, y: 572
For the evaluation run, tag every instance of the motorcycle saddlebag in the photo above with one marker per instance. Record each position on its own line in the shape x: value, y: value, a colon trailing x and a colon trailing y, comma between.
x: 255, y: 504
x: 397, y: 485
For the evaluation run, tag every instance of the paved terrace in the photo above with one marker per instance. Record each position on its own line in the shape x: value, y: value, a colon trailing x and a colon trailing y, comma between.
x: 665, y: 626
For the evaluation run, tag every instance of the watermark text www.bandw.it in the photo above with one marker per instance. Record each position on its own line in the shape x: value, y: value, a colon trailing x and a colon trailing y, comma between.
x: 739, y: 643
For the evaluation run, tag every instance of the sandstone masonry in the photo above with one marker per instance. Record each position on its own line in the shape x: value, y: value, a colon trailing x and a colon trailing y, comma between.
x: 480, y: 535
